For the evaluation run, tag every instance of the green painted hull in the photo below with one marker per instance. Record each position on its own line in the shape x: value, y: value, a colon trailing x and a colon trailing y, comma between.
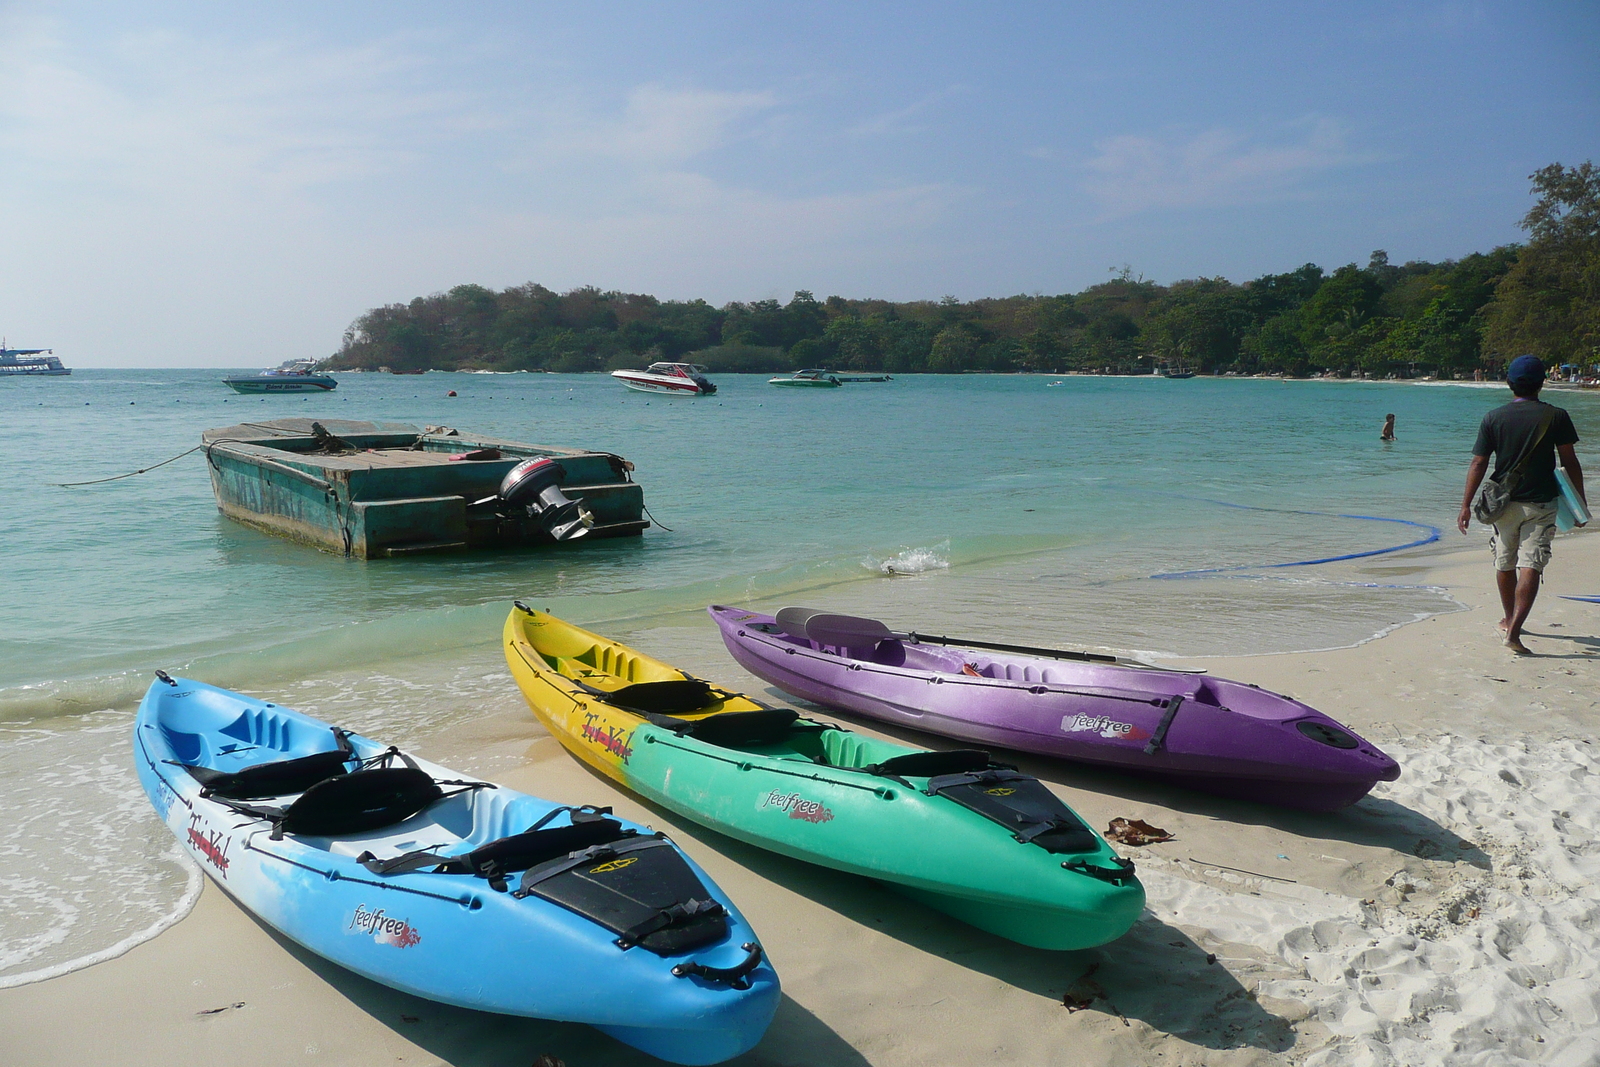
x: 808, y: 794
x: 948, y: 857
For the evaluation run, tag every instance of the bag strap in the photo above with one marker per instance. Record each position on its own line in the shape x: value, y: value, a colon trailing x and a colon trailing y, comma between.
x: 1515, y: 470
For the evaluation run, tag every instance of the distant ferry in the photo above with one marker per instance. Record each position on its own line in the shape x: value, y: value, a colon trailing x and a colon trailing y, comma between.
x: 19, y: 361
x: 294, y: 376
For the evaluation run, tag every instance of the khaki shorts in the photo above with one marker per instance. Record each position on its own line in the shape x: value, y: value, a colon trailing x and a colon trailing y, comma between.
x: 1522, y: 536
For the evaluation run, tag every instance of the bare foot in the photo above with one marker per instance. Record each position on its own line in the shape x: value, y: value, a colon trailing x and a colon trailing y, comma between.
x: 1502, y: 625
x: 1516, y: 645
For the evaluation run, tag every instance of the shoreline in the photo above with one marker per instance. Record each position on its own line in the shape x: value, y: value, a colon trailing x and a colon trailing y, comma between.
x: 1391, y: 903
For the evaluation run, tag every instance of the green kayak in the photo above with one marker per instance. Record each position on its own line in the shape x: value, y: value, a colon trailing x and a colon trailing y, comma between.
x: 974, y: 839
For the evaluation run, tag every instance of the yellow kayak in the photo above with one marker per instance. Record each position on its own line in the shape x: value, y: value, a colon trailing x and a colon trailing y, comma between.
x: 975, y: 839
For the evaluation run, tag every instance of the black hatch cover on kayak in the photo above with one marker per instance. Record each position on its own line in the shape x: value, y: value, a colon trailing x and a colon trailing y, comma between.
x: 637, y: 886
x: 1021, y: 804
x: 641, y: 889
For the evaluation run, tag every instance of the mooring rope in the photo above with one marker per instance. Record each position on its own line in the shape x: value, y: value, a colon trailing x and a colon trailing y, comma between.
x: 130, y: 474
x: 654, y: 519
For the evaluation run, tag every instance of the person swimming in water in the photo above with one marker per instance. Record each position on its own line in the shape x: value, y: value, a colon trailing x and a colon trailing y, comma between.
x: 1388, y: 428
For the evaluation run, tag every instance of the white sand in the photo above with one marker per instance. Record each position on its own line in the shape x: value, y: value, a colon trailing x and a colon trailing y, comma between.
x: 1451, y: 918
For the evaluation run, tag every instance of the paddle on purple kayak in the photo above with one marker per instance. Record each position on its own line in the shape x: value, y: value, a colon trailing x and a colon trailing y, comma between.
x: 1211, y: 734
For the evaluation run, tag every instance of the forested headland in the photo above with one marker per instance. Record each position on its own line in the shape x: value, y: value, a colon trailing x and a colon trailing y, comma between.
x: 1448, y: 319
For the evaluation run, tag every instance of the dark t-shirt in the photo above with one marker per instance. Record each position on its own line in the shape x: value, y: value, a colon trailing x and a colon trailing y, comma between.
x: 1507, y: 432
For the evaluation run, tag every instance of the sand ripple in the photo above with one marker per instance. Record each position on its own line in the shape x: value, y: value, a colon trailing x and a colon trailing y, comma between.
x: 1465, y: 962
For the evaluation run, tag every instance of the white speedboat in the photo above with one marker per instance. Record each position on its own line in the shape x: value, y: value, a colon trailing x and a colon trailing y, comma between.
x: 811, y: 377
x: 294, y: 376
x: 677, y: 379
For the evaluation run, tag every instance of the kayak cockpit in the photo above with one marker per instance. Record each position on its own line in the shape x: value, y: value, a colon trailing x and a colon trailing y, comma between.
x: 967, y: 777
x: 394, y: 818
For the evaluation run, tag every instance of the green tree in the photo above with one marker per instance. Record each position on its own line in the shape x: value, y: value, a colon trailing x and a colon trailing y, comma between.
x: 1275, y: 347
x: 1199, y: 324
x: 1549, y: 301
x: 952, y: 350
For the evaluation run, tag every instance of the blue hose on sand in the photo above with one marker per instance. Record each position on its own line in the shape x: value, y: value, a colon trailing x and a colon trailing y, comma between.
x: 1432, y: 536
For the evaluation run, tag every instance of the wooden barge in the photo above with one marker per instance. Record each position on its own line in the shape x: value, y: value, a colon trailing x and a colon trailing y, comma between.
x: 375, y: 489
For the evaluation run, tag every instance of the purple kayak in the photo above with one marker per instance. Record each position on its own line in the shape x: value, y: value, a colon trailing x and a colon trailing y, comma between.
x: 1223, y: 737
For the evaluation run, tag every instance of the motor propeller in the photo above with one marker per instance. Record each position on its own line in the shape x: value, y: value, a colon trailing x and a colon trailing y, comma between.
x: 533, y: 488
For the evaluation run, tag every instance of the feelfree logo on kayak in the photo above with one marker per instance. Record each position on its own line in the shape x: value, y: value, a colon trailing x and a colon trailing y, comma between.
x: 798, y: 807
x: 384, y: 930
x: 1099, y: 724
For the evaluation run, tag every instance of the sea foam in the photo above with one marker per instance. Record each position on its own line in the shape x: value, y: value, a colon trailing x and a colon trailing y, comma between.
x: 912, y: 560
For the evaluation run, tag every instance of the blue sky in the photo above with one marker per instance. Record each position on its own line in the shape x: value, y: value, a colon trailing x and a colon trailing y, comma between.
x: 216, y: 185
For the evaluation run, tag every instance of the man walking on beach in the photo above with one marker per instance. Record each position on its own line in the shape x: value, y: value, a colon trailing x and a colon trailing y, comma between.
x: 1525, y: 437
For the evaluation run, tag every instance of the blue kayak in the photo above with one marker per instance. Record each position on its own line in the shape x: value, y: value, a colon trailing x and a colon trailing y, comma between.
x: 450, y: 889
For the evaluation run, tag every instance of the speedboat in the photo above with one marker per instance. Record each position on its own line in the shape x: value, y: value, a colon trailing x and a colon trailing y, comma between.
x: 1228, y: 738
x: 811, y: 377
x: 294, y: 376
x: 674, y: 379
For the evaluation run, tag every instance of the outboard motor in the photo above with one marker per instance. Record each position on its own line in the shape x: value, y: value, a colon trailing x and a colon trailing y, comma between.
x: 533, y: 488
x: 706, y: 388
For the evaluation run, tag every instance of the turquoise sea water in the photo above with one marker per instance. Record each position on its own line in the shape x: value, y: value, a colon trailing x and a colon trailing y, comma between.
x: 1021, y: 507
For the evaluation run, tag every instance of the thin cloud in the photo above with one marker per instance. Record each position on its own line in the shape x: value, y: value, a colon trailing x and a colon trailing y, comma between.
x: 662, y: 125
x: 174, y: 117
x: 1136, y: 173
x: 897, y: 121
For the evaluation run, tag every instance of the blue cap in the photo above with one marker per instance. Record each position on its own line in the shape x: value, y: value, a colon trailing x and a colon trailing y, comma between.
x: 1525, y: 370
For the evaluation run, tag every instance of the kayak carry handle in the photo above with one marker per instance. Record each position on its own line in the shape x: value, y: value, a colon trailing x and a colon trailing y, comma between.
x: 165, y: 677
x: 736, y: 977
x: 1116, y: 875
x: 1160, y: 737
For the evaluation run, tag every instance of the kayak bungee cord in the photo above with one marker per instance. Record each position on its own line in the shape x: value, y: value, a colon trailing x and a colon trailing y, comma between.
x: 1431, y: 536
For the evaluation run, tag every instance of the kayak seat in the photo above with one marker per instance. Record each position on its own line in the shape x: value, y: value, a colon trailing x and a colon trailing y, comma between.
x: 277, y: 778
x: 507, y: 855
x: 673, y: 697
x: 890, y: 652
x: 931, y: 764
x: 735, y: 729
x: 933, y: 659
x: 360, y: 803
x: 521, y: 851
